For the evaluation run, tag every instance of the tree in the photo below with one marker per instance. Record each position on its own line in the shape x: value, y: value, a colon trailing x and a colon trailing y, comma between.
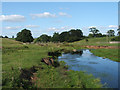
x: 111, y: 32
x: 75, y: 35
x: 12, y: 36
x: 94, y: 31
x: 1, y: 36
x: 99, y: 35
x: 24, y: 36
x: 64, y: 36
x: 43, y: 38
x: 90, y: 35
x: 71, y: 36
x: 55, y: 37
x: 118, y: 30
x: 6, y: 37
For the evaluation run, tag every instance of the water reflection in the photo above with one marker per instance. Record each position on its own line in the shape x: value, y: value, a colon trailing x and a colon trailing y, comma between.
x: 105, y: 69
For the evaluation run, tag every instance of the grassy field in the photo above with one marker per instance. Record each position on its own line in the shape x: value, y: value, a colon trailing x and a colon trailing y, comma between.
x: 17, y: 56
x: 100, y: 41
x: 112, y: 54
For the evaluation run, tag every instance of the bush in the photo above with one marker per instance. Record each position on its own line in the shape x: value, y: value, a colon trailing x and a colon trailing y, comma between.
x: 117, y: 38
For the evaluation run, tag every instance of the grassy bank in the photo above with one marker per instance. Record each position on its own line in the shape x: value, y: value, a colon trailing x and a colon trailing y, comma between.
x: 17, y: 56
x: 100, y: 41
x: 112, y: 54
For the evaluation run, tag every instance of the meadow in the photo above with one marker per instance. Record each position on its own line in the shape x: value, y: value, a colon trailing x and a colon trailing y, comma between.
x: 112, y: 54
x: 17, y: 56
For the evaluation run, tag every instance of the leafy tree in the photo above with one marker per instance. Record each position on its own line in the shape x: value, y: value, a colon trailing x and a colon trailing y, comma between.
x: 99, y: 35
x: 1, y: 36
x: 118, y: 30
x: 70, y: 36
x: 24, y: 36
x: 111, y: 32
x: 6, y: 37
x: 12, y: 36
x: 75, y: 35
x: 94, y: 31
x: 104, y: 35
x: 43, y: 38
x: 55, y: 37
x: 64, y: 36
x: 90, y: 35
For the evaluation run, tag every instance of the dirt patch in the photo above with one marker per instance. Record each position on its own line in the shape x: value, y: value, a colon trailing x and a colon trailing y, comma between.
x: 26, y: 76
x: 105, y: 47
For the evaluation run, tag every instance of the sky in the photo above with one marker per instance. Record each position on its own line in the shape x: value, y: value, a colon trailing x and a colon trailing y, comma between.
x: 49, y: 17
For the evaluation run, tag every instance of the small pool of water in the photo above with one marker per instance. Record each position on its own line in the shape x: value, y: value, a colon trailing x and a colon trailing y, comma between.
x: 105, y: 69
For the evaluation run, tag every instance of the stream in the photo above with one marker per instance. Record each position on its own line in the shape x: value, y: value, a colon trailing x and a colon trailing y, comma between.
x: 105, y: 69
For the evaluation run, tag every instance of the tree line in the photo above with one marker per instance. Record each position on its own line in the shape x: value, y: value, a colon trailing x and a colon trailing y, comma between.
x: 66, y: 36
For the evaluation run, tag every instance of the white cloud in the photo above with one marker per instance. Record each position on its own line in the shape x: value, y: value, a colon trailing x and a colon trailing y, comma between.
x: 12, y: 18
x: 53, y: 29
x: 92, y: 26
x: 61, y: 29
x: 12, y: 28
x: 32, y: 26
x: 113, y: 26
x: 64, y: 14
x: 19, y: 27
x: 43, y: 15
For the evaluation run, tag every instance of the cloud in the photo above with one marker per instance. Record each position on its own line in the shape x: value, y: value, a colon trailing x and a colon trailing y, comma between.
x: 32, y: 26
x: 103, y: 29
x: 20, y: 27
x: 113, y: 26
x: 12, y: 18
x: 92, y: 26
x: 64, y: 14
x: 12, y: 28
x: 43, y: 15
x: 61, y: 29
x: 53, y: 29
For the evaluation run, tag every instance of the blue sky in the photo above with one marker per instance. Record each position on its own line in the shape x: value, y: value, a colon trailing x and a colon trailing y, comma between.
x: 50, y: 17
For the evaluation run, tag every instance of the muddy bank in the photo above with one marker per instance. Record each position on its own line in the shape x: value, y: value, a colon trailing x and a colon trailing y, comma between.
x: 51, y: 62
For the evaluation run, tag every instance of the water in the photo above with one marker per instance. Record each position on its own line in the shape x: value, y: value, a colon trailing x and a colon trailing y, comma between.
x: 105, y: 69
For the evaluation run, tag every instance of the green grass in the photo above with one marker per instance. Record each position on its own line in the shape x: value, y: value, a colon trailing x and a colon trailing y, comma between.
x: 51, y: 77
x: 101, y: 41
x: 106, y: 53
x: 16, y: 55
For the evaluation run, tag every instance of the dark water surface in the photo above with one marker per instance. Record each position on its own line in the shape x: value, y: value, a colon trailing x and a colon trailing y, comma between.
x: 105, y: 69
